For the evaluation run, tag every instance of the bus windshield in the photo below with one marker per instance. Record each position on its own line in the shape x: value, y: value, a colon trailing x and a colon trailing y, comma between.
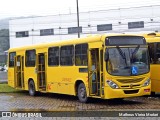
x: 127, y: 61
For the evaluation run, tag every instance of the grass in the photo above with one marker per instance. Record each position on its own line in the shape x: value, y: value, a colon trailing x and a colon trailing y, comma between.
x: 4, y: 88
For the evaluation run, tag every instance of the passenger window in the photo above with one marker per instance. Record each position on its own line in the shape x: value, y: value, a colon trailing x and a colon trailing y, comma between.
x: 67, y: 55
x: 151, y: 52
x: 157, y: 56
x: 81, y: 58
x: 30, y: 58
x: 53, y: 56
x: 11, y: 59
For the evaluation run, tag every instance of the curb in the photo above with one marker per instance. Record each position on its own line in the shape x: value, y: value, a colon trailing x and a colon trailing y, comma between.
x: 3, y: 81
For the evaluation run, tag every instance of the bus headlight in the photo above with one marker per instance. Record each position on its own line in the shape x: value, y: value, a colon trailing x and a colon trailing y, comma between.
x: 147, y: 82
x: 112, y: 84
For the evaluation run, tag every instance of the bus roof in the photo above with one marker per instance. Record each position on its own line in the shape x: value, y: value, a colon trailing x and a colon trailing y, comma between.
x: 57, y: 43
x: 90, y: 38
x: 157, y: 34
x: 152, y: 37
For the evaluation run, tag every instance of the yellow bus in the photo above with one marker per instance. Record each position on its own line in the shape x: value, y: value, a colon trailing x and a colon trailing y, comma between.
x: 101, y: 66
x: 153, y: 40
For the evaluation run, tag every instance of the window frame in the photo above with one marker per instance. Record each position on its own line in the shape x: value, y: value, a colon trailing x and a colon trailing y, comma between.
x: 26, y: 64
x: 21, y: 34
x: 13, y: 60
x: 154, y: 51
x: 131, y: 25
x: 54, y: 57
x: 73, y: 56
x: 44, y: 32
x: 105, y: 27
x: 72, y: 29
x: 81, y: 54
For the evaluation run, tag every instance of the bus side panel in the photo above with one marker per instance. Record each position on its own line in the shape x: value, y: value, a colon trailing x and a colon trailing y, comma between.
x: 155, y: 84
x: 62, y: 79
x: 30, y: 74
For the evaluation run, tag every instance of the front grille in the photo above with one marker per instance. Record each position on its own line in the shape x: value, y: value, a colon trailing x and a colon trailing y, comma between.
x: 130, y: 80
x: 125, y: 86
x: 135, y: 85
x: 130, y: 91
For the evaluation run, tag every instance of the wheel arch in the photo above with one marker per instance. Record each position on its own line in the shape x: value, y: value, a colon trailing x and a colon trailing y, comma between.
x: 77, y: 83
x: 31, y: 79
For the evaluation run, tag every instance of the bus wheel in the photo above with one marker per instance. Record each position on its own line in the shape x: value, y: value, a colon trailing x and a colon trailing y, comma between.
x: 117, y: 100
x: 153, y: 94
x: 82, y: 95
x: 32, y: 90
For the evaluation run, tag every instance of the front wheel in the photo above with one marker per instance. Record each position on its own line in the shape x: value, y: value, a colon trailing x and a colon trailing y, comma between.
x: 82, y: 95
x: 118, y: 99
x: 31, y: 87
x: 153, y: 94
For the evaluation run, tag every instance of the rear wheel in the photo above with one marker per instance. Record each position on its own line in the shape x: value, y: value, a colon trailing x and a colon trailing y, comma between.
x: 31, y: 87
x: 82, y: 95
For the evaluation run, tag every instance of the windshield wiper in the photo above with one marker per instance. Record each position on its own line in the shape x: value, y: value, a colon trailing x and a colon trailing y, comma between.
x: 122, y: 54
x: 134, y: 52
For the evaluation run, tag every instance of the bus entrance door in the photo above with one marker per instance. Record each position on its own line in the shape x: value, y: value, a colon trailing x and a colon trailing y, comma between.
x: 96, y: 72
x: 41, y: 71
x: 19, y: 71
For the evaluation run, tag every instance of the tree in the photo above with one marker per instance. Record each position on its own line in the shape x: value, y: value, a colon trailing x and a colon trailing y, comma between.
x: 4, y: 40
x: 4, y: 45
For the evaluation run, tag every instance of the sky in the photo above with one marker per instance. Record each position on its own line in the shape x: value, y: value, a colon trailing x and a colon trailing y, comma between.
x: 24, y: 8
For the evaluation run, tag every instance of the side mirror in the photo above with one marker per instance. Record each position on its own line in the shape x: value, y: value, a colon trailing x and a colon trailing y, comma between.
x: 106, y: 57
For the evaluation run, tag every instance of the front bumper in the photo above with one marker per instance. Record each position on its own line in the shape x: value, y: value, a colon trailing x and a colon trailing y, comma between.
x: 110, y: 93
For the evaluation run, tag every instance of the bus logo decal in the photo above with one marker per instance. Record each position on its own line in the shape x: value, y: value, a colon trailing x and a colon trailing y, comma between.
x: 131, y: 85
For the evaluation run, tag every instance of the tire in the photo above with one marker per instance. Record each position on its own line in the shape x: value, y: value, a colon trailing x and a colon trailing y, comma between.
x: 82, y: 95
x: 31, y: 87
x: 153, y: 94
x: 116, y: 100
